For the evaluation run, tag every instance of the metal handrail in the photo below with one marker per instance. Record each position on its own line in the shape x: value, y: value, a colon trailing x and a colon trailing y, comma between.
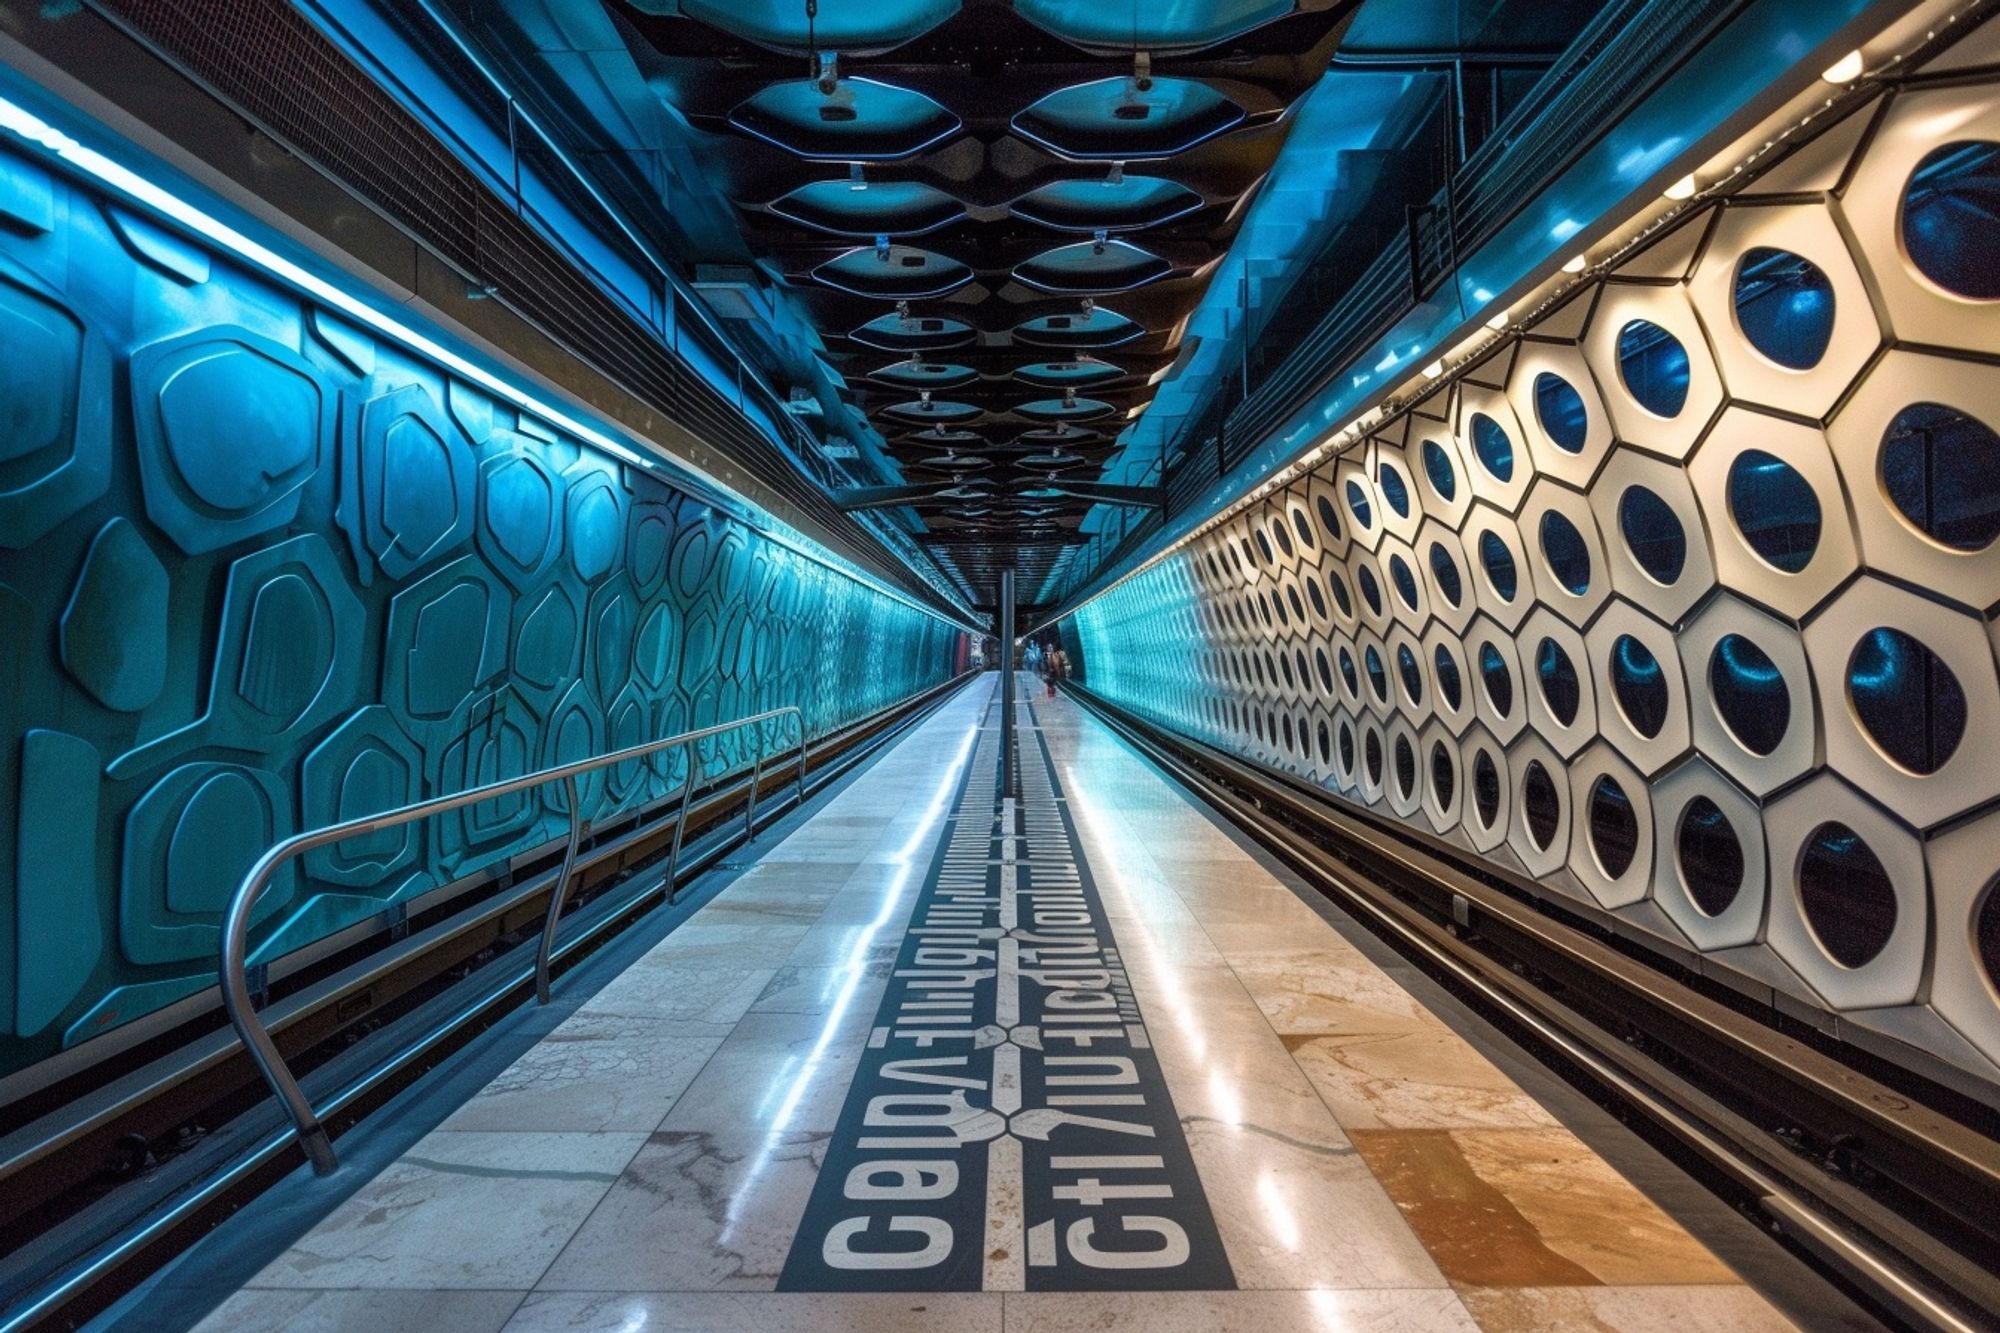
x: 234, y: 968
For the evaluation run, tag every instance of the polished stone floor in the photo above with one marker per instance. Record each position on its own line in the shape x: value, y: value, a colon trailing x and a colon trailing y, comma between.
x: 647, y: 1165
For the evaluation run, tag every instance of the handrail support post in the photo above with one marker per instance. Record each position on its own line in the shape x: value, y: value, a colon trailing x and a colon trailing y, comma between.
x: 561, y: 891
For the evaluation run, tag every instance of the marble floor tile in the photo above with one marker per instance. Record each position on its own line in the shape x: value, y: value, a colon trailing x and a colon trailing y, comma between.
x: 1730, y: 1309
x: 1412, y: 1074
x: 696, y: 1211
x: 1531, y: 1208
x: 595, y: 1072
x: 1327, y: 989
x: 756, y: 1312
x: 819, y: 990
x: 1423, y: 1310
x: 346, y: 1311
x: 787, y: 1070
x: 460, y: 1210
x: 681, y: 998
x: 726, y: 945
x: 1299, y: 1211
x: 847, y: 943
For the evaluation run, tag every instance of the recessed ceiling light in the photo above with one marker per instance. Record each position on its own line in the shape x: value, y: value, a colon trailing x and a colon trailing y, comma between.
x: 1499, y: 321
x: 1683, y: 188
x: 1433, y: 370
x: 1844, y: 70
x: 1574, y: 264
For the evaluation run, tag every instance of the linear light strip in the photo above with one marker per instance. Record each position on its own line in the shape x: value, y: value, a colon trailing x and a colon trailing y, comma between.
x: 30, y: 127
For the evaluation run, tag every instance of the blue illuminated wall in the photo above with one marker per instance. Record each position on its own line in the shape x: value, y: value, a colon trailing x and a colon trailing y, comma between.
x: 1682, y: 605
x: 260, y: 571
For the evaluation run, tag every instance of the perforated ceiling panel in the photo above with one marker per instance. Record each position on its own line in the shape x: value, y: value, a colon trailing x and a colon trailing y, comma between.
x: 1682, y: 604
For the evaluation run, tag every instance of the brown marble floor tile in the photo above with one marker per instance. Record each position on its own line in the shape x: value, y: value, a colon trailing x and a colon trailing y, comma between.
x: 1531, y: 1208
x: 1411, y: 1074
x: 1687, y: 1309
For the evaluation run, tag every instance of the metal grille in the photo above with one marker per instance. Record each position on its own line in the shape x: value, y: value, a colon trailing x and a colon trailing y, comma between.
x: 267, y: 61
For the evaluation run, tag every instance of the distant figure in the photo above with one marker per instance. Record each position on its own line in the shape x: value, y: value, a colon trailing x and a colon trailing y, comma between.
x: 1031, y: 660
x: 1051, y: 669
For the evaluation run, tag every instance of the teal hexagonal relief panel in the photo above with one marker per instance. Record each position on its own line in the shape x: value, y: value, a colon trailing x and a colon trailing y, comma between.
x: 298, y: 575
x: 55, y: 409
x: 230, y: 427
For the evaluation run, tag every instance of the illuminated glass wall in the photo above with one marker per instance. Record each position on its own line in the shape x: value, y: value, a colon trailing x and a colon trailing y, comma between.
x: 1682, y: 604
x: 261, y: 571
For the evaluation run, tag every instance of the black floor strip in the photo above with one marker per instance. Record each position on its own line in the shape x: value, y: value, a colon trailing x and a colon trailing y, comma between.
x: 1009, y: 1126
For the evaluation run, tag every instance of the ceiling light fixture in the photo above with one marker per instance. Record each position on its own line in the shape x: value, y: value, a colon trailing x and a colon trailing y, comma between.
x: 1574, y: 264
x: 1844, y: 70
x: 1683, y: 188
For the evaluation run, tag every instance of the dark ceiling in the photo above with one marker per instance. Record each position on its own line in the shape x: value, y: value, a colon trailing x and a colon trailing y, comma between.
x: 998, y: 216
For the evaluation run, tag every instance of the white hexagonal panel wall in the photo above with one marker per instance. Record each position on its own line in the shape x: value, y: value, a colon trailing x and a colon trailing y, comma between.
x: 1685, y: 600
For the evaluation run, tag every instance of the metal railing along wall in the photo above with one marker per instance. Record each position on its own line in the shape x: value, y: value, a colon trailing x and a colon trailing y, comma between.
x: 242, y: 1008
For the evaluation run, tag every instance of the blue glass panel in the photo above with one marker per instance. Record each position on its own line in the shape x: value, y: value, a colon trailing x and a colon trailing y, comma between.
x: 1951, y: 218
x: 1941, y: 468
x: 1640, y: 684
x: 1614, y: 828
x: 1088, y: 205
x: 1406, y: 768
x: 1378, y: 675
x: 1339, y: 587
x: 1494, y: 450
x: 1541, y: 804
x: 1653, y: 534
x: 1445, y: 667
x: 1183, y: 24
x: 1115, y: 119
x: 1347, y: 675
x: 1849, y: 900
x: 1371, y: 750
x: 1412, y: 674
x: 1710, y: 856
x: 1560, y: 687
x: 1446, y: 570
x: 1394, y: 491
x: 1749, y: 693
x: 1371, y: 591
x: 1357, y: 503
x: 1329, y: 518
x: 1986, y: 936
x: 1405, y: 581
x: 1499, y: 681
x: 1485, y: 788
x: 888, y: 208
x: 1569, y: 558
x: 1784, y: 305
x: 861, y: 120
x: 1775, y: 510
x: 1499, y: 562
x: 1444, y: 773
x: 1437, y: 465
x: 1559, y: 407
x: 1908, y: 700
x: 1654, y: 366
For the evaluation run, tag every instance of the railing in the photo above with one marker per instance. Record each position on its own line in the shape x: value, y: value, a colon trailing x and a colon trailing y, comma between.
x: 234, y: 973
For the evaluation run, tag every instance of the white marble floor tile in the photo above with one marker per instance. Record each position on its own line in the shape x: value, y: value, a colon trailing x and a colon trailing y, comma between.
x: 253, y: 1311
x: 1423, y: 1310
x: 696, y: 1211
x: 460, y: 1210
x: 787, y: 1070
x: 595, y: 1072
x: 756, y: 1312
